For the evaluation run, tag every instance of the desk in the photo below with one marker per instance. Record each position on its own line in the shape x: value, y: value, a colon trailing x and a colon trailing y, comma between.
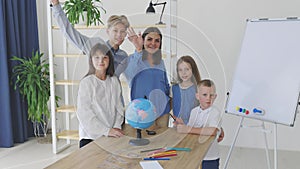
x: 117, y: 153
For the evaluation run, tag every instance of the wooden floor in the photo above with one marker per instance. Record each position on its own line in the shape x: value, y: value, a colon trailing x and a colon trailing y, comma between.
x: 33, y: 155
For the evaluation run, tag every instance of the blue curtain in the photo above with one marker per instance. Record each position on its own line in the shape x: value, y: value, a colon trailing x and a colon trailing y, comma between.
x: 18, y: 37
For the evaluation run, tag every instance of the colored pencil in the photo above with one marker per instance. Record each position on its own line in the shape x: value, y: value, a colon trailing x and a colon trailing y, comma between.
x: 143, y: 151
x: 156, y: 158
x: 166, y: 155
x: 178, y: 148
x: 162, y: 153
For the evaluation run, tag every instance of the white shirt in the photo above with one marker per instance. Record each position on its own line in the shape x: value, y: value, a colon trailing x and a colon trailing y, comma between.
x: 210, y: 117
x: 99, y: 106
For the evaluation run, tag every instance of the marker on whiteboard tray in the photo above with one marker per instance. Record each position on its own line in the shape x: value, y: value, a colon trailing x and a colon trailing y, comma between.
x: 247, y: 112
x: 239, y: 109
x: 263, y: 19
x: 258, y: 111
x: 292, y: 17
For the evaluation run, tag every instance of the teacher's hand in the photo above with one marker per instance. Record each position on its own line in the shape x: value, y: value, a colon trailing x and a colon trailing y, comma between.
x: 135, y: 39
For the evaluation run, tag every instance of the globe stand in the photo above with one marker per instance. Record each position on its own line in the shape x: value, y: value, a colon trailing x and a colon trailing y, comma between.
x: 139, y: 141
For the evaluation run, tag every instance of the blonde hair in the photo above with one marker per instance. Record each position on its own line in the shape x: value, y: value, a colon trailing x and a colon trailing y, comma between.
x: 115, y: 19
x: 206, y: 83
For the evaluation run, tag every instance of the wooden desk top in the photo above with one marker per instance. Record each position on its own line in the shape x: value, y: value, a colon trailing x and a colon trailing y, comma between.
x: 117, y: 153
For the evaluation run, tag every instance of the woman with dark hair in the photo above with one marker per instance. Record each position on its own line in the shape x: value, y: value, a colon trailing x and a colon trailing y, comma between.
x: 100, y: 109
x: 146, y: 72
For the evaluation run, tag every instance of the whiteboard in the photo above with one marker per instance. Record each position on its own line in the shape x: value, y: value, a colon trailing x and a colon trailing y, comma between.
x: 266, y: 82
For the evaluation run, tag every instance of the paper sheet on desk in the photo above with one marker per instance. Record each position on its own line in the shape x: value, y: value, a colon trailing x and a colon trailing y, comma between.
x: 150, y: 165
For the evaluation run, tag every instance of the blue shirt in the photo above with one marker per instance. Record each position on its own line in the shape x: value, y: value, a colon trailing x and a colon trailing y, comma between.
x: 149, y: 82
x: 184, y: 100
x: 136, y: 64
x: 120, y: 56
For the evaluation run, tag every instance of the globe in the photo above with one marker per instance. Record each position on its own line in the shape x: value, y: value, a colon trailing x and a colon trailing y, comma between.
x: 140, y: 113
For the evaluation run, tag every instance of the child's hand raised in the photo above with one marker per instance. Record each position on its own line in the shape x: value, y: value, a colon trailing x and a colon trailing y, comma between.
x: 54, y: 2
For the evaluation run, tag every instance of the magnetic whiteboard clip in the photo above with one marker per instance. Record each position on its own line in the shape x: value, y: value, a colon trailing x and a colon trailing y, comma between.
x: 292, y: 17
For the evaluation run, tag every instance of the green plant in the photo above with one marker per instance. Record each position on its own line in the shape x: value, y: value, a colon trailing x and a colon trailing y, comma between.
x: 75, y: 9
x: 32, y: 80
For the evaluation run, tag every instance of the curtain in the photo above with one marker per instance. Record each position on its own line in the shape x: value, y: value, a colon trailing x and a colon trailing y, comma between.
x: 18, y: 37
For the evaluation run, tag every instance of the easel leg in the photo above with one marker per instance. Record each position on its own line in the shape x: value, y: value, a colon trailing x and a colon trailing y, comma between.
x: 275, y: 146
x: 266, y: 143
x: 233, y: 143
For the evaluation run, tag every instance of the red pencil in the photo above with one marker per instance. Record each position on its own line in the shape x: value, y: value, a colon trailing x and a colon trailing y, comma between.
x: 166, y: 155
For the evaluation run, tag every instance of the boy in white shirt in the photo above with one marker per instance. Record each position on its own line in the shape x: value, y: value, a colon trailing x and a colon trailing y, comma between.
x: 205, y: 120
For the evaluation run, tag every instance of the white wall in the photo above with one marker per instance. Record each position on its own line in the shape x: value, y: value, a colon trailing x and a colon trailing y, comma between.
x: 212, y: 32
x: 223, y: 22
